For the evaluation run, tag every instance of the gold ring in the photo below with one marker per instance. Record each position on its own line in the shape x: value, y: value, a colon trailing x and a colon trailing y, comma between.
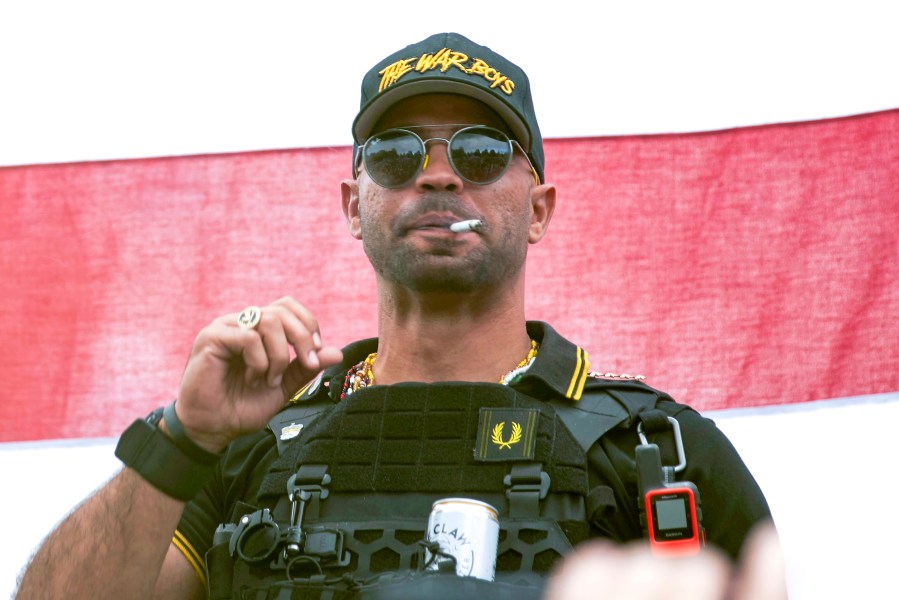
x: 249, y: 317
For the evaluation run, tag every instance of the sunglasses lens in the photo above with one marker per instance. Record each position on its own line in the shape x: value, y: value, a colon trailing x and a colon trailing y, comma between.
x: 480, y: 154
x: 393, y: 158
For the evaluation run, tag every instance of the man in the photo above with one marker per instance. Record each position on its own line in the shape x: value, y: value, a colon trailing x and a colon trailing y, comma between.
x: 229, y: 489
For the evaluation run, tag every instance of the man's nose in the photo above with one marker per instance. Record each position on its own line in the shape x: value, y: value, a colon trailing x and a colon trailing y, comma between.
x: 438, y: 174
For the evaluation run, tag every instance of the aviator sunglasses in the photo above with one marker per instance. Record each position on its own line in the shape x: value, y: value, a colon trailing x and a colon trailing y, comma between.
x: 478, y: 154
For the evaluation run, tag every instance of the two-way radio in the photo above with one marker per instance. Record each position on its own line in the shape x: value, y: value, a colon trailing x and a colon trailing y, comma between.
x: 670, y: 511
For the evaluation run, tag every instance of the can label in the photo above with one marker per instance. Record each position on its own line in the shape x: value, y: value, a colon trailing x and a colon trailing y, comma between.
x: 467, y: 530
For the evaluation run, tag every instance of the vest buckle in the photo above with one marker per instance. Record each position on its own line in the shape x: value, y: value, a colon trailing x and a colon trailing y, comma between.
x: 526, y: 485
x: 305, y: 489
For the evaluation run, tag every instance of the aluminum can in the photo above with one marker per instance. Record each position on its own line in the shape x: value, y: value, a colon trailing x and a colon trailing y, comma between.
x: 467, y: 530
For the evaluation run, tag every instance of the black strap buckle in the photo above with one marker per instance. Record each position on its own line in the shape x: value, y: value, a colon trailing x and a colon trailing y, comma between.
x: 526, y: 485
x: 305, y: 489
x: 309, y: 485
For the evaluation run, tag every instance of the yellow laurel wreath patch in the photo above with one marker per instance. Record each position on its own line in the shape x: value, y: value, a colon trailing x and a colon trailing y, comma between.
x: 497, y: 435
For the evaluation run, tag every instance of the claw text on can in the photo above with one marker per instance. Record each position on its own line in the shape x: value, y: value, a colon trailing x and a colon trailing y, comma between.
x: 467, y: 530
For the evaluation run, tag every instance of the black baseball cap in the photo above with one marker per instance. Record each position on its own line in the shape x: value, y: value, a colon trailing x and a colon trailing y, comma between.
x: 449, y: 63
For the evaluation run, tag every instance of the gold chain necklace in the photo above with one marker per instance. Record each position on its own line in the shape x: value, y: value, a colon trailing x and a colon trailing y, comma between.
x: 360, y: 375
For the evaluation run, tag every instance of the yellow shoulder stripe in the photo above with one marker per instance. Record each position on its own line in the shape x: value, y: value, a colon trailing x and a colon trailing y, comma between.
x: 303, y: 389
x: 579, y: 377
x: 192, y: 556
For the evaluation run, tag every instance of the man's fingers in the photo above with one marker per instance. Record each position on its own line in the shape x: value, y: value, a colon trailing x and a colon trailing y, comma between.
x: 272, y: 331
x: 287, y: 324
x: 248, y: 345
x: 301, y: 331
x: 631, y: 572
x: 298, y: 374
x: 304, y: 316
x: 240, y: 371
x: 283, y: 324
x: 222, y: 341
x: 762, y: 573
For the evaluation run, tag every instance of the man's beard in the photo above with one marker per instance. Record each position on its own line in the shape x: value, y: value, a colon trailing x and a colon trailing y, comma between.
x: 439, y: 270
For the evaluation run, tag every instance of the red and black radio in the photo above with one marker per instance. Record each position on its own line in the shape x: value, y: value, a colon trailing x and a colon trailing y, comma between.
x: 670, y: 510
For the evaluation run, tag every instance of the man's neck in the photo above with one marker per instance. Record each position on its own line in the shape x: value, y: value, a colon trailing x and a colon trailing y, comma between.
x: 450, y: 339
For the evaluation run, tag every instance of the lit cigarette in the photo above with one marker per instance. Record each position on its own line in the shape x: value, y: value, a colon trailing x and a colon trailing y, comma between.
x: 461, y: 226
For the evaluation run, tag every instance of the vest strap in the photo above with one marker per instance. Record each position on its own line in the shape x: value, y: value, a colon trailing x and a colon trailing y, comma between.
x: 526, y: 484
x: 654, y: 421
x: 309, y: 485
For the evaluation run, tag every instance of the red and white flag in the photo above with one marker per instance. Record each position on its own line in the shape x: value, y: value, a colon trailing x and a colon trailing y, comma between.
x: 740, y: 268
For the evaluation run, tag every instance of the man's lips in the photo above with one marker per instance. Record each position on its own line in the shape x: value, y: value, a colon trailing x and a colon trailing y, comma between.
x: 432, y: 222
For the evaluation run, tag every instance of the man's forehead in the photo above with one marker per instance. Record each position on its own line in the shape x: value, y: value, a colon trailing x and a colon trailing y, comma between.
x: 438, y: 109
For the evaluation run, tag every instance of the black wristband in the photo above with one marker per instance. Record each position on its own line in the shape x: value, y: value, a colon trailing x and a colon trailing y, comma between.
x: 161, y: 462
x: 183, y: 441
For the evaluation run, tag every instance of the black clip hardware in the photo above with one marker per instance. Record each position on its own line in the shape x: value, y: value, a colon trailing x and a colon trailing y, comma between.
x: 305, y: 489
x: 526, y: 485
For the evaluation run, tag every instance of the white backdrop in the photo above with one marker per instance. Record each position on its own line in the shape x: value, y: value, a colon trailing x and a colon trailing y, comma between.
x: 107, y: 80
x: 94, y: 80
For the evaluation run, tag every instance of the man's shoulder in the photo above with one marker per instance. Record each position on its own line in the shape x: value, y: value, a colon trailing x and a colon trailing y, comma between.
x: 284, y: 426
x: 243, y: 457
x: 302, y: 408
x: 632, y: 392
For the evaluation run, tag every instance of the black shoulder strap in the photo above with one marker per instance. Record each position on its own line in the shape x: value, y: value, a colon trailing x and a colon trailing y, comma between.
x: 604, y: 406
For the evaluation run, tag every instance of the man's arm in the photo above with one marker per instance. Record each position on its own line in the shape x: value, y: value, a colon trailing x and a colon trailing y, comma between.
x: 178, y: 579
x: 113, y: 546
x: 117, y: 544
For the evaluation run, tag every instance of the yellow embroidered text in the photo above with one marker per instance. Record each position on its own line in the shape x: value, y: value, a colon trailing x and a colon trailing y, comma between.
x: 445, y: 59
x: 492, y: 75
x: 391, y: 73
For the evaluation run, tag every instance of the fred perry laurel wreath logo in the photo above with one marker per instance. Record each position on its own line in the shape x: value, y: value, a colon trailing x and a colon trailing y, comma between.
x: 497, y: 435
x: 506, y: 433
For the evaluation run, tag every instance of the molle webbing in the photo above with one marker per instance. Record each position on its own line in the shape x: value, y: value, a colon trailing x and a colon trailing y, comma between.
x: 390, y: 451
x: 420, y: 438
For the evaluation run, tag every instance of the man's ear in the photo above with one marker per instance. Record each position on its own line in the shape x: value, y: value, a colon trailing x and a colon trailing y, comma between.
x: 543, y: 203
x: 349, y: 200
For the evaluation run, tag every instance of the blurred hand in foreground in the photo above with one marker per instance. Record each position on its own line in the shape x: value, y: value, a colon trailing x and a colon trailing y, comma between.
x: 606, y: 571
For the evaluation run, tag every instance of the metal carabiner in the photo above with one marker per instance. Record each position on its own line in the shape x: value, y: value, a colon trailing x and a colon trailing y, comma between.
x: 678, y: 443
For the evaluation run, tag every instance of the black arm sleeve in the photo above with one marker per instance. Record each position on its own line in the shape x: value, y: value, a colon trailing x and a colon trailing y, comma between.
x: 732, y: 502
x: 235, y: 483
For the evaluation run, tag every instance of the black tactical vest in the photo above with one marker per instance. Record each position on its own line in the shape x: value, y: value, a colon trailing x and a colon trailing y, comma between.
x: 342, y: 512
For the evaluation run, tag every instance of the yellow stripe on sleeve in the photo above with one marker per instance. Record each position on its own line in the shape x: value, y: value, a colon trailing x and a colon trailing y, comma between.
x: 582, y: 380
x: 579, y: 377
x: 192, y: 556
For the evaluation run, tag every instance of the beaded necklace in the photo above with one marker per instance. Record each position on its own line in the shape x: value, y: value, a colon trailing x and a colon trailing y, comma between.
x: 360, y: 375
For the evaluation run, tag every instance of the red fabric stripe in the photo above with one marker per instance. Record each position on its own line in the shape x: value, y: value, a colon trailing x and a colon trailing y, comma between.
x: 745, y: 267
